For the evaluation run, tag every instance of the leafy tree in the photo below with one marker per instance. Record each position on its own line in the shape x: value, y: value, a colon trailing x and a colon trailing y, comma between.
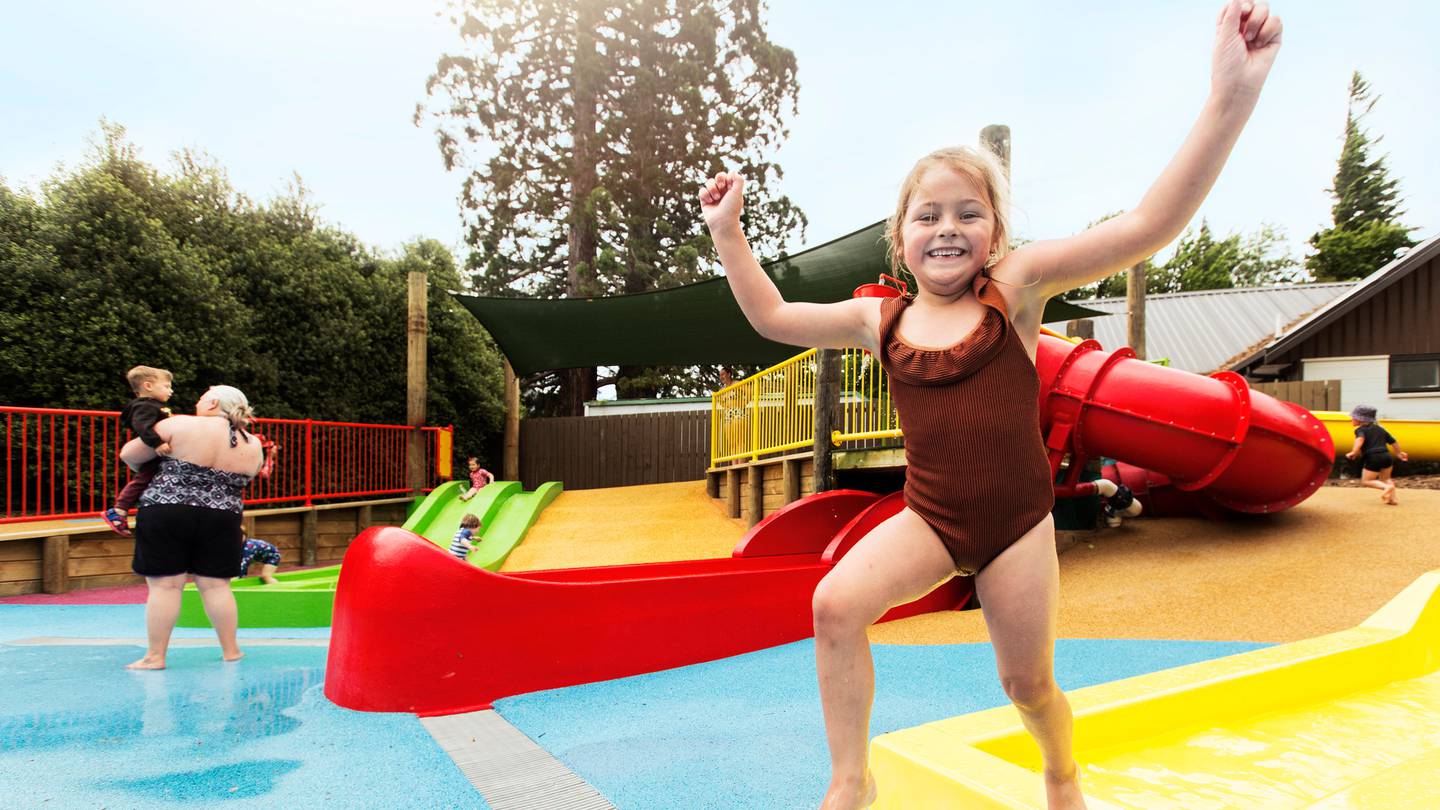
x: 115, y: 263
x: 1202, y: 262
x: 1366, y: 234
x: 586, y: 128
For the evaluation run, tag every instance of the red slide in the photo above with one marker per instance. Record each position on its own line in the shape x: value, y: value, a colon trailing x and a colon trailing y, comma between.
x: 1223, y: 446
x: 416, y: 631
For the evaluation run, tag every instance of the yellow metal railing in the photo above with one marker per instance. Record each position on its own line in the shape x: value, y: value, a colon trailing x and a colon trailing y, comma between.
x: 769, y: 412
x: 774, y: 410
x: 866, y: 411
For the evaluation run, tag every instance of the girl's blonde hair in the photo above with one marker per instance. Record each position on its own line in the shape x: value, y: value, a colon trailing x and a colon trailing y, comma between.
x: 233, y: 405
x: 983, y: 169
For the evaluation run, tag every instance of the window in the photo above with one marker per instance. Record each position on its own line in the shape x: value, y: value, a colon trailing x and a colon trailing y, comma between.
x: 1414, y: 373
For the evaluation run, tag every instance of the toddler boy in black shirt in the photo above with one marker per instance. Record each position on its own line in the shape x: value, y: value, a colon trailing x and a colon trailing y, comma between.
x: 152, y: 387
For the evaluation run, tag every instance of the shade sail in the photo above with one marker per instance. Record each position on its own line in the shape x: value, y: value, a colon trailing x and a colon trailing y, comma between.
x: 692, y: 325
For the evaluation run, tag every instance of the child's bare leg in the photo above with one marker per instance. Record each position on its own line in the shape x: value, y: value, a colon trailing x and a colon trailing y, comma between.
x: 162, y: 608
x: 1370, y: 478
x: 1019, y: 594
x: 1390, y: 487
x: 898, y: 561
x: 267, y: 574
x: 220, y: 608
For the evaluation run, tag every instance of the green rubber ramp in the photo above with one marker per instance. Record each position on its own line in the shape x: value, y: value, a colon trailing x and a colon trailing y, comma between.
x: 306, y: 598
x: 513, y: 519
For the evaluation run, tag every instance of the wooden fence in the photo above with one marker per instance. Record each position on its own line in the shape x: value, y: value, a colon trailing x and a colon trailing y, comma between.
x: 1315, y: 395
x: 588, y: 452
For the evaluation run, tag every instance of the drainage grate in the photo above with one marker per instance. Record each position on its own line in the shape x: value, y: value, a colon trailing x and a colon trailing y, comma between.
x: 508, y: 768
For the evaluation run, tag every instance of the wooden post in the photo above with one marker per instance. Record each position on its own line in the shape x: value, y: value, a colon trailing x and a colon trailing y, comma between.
x: 1083, y: 328
x: 755, y: 489
x: 732, y: 492
x: 827, y: 416
x: 511, y: 464
x: 309, y: 537
x: 996, y: 138
x: 364, y: 518
x: 1135, y: 302
x: 790, y: 480
x: 55, y: 570
x: 712, y: 484
x: 417, y: 328
x: 247, y: 524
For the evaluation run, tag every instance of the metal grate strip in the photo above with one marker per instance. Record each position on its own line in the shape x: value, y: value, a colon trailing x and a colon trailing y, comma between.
x: 508, y: 768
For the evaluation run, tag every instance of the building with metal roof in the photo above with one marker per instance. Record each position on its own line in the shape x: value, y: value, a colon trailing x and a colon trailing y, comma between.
x: 1207, y: 330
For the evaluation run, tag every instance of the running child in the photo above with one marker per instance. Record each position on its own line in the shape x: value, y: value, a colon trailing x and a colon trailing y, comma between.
x: 464, y: 542
x: 1372, y: 447
x: 152, y: 388
x: 960, y: 358
x: 479, y: 478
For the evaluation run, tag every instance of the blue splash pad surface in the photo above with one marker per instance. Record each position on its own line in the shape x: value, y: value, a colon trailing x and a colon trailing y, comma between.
x: 114, y: 621
x: 747, y: 732
x: 79, y: 730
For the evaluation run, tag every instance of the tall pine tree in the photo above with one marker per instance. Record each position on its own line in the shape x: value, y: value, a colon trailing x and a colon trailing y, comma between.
x: 1366, y: 233
x: 586, y: 128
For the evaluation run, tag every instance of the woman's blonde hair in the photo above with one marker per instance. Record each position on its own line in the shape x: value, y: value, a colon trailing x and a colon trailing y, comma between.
x: 983, y: 169
x: 233, y: 405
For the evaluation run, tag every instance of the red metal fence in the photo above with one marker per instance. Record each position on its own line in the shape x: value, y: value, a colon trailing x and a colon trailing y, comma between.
x: 62, y: 463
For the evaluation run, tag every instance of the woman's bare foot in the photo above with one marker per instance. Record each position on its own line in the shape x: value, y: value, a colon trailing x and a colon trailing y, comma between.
x: 1062, y: 791
x: 848, y: 795
x: 148, y: 662
x: 234, y: 657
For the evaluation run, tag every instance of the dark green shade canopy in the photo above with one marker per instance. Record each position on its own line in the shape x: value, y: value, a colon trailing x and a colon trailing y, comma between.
x: 697, y: 324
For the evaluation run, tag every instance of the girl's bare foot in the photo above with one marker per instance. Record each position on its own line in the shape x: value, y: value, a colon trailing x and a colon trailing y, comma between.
x: 236, y: 657
x: 848, y: 795
x: 148, y: 662
x: 1062, y: 791
x: 269, y: 580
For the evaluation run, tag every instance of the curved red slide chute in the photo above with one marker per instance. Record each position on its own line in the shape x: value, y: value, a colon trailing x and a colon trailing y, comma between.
x: 1244, y: 450
x: 415, y: 630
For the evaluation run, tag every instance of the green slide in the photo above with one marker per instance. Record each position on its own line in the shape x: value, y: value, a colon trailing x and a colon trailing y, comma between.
x: 305, y: 598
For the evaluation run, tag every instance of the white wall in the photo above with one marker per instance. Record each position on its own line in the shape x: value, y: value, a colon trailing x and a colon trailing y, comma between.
x: 603, y: 408
x: 1366, y: 380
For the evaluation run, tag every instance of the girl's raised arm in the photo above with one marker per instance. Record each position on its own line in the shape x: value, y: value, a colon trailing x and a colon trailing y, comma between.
x: 825, y: 326
x: 1246, y: 41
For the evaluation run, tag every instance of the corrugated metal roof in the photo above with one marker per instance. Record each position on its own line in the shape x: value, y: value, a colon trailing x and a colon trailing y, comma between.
x: 1201, y: 331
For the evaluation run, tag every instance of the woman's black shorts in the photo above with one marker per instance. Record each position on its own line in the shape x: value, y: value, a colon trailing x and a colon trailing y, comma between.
x: 1376, y: 462
x: 178, y: 539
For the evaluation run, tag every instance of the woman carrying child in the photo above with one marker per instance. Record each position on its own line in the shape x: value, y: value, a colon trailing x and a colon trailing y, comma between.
x: 960, y: 359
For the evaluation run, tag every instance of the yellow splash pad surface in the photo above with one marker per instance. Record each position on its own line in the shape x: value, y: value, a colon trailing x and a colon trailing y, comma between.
x: 1347, y: 720
x: 627, y: 525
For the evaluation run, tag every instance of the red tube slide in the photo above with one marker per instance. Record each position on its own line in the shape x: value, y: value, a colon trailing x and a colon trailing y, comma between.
x: 417, y: 631
x: 1241, y: 449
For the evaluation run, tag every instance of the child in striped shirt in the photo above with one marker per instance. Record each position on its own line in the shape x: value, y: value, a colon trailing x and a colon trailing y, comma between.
x: 462, y: 545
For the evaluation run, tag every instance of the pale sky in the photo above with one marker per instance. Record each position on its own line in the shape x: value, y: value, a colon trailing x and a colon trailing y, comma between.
x: 1097, y: 95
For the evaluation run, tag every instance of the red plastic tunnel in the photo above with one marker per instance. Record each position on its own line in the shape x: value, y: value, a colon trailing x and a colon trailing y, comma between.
x: 1245, y: 450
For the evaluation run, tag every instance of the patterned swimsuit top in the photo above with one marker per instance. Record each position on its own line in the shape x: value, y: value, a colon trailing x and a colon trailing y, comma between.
x: 182, y: 483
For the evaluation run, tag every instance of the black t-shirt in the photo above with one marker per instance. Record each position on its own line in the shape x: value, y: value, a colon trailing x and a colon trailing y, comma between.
x: 140, y: 416
x: 1377, y: 439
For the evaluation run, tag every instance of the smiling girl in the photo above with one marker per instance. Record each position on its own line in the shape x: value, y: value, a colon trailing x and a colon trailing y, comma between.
x: 960, y: 358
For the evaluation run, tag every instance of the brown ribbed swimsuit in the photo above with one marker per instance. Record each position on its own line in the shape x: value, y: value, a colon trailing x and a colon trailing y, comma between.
x: 976, y: 469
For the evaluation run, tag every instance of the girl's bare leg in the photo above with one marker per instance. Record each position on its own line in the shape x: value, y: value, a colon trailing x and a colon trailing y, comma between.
x: 900, y: 560
x: 220, y: 608
x: 267, y: 574
x: 1019, y: 595
x: 1390, y: 487
x: 1379, y: 480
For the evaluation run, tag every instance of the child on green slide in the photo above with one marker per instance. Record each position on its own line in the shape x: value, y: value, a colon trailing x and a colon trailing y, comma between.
x: 479, y: 478
x: 463, y: 543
